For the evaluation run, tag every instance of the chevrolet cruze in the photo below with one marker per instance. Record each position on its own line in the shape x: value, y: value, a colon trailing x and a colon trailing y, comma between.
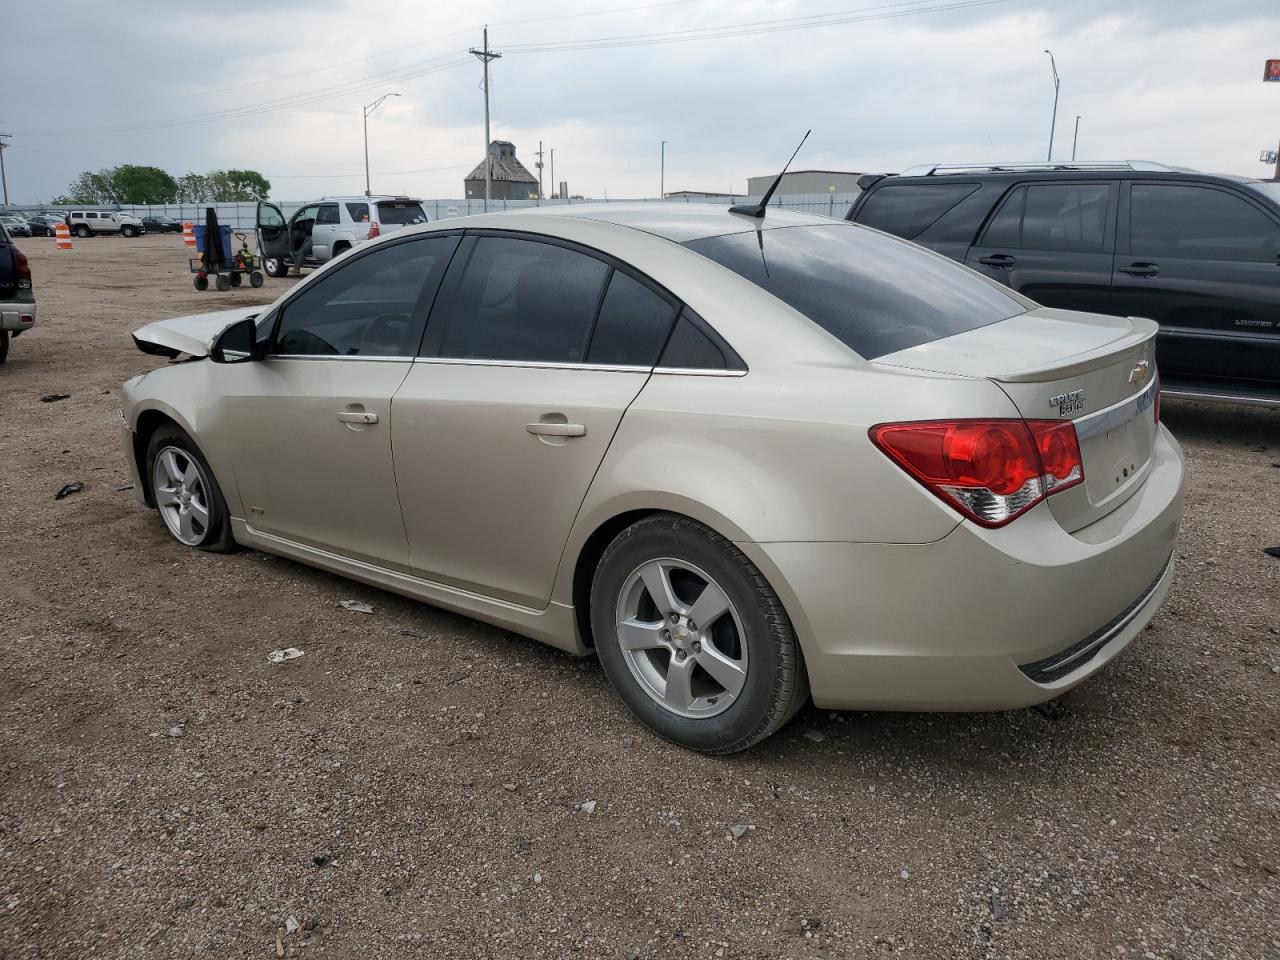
x: 744, y: 460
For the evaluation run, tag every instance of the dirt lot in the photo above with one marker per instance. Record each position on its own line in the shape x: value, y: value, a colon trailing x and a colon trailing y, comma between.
x: 411, y: 787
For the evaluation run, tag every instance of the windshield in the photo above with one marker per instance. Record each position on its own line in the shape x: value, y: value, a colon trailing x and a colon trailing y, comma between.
x: 397, y: 213
x: 874, y: 293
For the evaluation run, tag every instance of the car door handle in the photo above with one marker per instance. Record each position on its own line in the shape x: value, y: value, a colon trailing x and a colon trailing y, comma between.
x: 354, y: 416
x: 1001, y: 260
x: 544, y: 429
x: 1140, y: 269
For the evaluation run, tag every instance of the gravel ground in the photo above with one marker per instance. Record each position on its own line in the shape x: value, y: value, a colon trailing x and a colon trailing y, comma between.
x: 421, y: 785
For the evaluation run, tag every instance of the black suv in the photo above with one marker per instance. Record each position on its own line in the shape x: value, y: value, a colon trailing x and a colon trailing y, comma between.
x: 1198, y: 253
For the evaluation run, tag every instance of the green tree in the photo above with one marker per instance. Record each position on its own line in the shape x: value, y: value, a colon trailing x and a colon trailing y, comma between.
x: 137, y: 184
x: 92, y: 187
x: 194, y: 188
x: 239, y: 185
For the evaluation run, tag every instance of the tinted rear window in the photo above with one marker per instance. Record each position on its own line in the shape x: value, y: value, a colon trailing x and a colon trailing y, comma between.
x: 399, y: 212
x: 876, y: 295
x: 908, y: 209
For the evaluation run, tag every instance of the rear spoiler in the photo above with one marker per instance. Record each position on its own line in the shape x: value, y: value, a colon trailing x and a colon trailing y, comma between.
x: 869, y: 180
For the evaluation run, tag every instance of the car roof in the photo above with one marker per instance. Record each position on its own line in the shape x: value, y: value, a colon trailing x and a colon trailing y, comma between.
x: 678, y: 222
x: 1033, y: 172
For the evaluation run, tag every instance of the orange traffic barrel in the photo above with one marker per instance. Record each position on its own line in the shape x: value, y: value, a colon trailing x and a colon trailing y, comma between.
x: 62, y: 234
x: 189, y: 234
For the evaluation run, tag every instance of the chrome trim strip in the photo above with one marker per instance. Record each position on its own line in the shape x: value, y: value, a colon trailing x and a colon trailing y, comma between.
x: 466, y: 362
x: 694, y: 372
x: 1115, y: 415
x: 334, y: 356
x: 1223, y: 397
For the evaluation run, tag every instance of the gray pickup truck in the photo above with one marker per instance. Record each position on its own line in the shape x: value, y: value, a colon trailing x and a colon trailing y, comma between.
x: 17, y: 298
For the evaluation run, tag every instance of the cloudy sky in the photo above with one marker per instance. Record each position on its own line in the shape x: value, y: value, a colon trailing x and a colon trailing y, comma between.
x: 730, y: 85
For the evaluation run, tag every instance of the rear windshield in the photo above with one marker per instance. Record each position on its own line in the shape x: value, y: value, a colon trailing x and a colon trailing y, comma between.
x: 875, y: 294
x: 1268, y: 188
x: 399, y: 212
x: 906, y: 210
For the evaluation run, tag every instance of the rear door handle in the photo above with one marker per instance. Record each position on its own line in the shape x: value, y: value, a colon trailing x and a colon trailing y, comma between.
x: 553, y: 429
x: 1000, y: 260
x: 352, y: 416
x: 1140, y: 269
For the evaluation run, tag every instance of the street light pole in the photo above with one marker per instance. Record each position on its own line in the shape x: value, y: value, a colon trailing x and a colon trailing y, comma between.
x: 1075, y: 139
x: 1056, y: 84
x: 662, y: 173
x: 369, y: 108
x: 555, y: 190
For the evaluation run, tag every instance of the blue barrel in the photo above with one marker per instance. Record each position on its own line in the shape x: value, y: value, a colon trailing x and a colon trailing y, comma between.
x: 226, y: 239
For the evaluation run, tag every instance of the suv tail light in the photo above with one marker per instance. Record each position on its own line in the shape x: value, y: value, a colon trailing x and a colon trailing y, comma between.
x: 374, y: 229
x: 24, y: 269
x: 992, y: 471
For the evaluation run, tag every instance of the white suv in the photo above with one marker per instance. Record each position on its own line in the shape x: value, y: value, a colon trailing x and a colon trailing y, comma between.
x: 329, y: 227
x: 85, y: 223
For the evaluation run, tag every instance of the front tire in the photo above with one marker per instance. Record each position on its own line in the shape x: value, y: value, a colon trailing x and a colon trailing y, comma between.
x: 4, y: 345
x: 693, y: 638
x: 276, y: 267
x: 129, y: 231
x: 82, y: 231
x: 187, y: 496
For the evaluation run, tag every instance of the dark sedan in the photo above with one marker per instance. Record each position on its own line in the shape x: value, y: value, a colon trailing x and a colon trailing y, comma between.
x: 17, y: 226
x: 44, y: 224
x: 161, y: 225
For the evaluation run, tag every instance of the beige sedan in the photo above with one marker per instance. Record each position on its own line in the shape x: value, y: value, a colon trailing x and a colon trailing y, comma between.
x: 743, y: 460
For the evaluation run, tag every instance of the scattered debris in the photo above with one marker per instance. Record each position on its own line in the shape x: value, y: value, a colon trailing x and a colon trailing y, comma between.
x: 291, y: 925
x: 175, y: 731
x: 509, y: 787
x: 1052, y: 710
x: 817, y: 736
x: 537, y: 878
x: 456, y: 675
x: 54, y: 397
x: 280, y: 656
x: 323, y: 858
x: 356, y: 606
x: 739, y: 830
x: 998, y: 910
x: 406, y: 632
x: 588, y: 806
x: 905, y: 874
x: 68, y: 489
x: 127, y: 486
x: 279, y: 946
x: 1272, y: 552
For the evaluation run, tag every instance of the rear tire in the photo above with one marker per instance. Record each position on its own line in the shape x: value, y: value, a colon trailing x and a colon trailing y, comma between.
x: 129, y: 230
x: 201, y: 283
x: 276, y: 267
x: 82, y: 231
x: 4, y: 345
x: 719, y: 686
x: 255, y: 279
x: 188, y: 498
x: 235, y: 280
x: 223, y: 283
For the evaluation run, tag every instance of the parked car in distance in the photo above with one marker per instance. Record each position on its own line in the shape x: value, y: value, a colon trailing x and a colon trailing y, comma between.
x: 87, y: 223
x: 329, y: 227
x: 1197, y: 253
x: 162, y: 225
x: 17, y: 226
x: 17, y: 296
x: 741, y: 459
x: 44, y: 224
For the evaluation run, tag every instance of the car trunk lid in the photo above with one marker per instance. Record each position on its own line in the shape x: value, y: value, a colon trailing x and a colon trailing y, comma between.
x: 1094, y: 370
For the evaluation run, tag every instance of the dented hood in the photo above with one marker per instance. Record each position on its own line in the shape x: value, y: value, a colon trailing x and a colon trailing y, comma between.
x: 191, y: 335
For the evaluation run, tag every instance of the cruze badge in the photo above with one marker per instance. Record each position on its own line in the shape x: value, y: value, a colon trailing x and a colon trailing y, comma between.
x: 1068, y: 403
x: 1139, y: 373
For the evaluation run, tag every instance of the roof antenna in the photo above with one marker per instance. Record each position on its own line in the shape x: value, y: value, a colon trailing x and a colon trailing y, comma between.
x: 757, y: 210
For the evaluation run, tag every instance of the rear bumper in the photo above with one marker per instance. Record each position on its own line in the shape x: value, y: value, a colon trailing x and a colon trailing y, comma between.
x: 16, y: 317
x: 981, y: 619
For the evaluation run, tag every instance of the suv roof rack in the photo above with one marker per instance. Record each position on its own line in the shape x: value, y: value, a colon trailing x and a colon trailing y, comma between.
x: 939, y: 169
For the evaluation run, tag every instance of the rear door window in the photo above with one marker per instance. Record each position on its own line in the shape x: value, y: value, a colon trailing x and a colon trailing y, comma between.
x: 632, y: 326
x: 1201, y: 223
x: 523, y: 300
x: 907, y: 210
x: 358, y: 212
x: 397, y: 213
x: 876, y: 295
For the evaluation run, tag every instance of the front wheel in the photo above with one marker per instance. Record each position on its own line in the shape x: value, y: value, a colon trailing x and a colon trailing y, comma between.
x: 201, y: 283
x: 4, y: 345
x: 129, y: 231
x: 255, y: 279
x: 276, y: 267
x: 83, y: 231
x: 187, y: 496
x: 693, y: 638
x: 222, y: 282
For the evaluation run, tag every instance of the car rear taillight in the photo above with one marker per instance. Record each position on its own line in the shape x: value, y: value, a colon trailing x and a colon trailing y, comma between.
x: 24, y: 269
x: 992, y: 471
x: 374, y: 230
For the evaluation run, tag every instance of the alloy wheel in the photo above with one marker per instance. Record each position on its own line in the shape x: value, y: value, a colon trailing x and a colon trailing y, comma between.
x: 682, y: 638
x: 182, y: 494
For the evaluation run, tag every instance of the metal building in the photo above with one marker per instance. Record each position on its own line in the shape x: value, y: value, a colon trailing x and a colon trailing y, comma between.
x: 805, y: 181
x: 511, y: 181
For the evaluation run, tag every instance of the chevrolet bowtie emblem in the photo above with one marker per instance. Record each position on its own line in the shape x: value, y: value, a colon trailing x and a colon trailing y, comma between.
x: 1139, y: 373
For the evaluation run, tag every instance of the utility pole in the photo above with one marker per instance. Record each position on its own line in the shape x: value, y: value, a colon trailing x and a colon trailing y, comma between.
x: 3, y: 180
x: 662, y: 173
x: 1056, y: 84
x: 540, y: 151
x: 484, y: 56
x: 1075, y: 139
x: 368, y: 109
x: 553, y: 174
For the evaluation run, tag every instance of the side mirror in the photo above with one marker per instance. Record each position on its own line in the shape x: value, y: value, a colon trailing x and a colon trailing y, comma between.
x: 237, y: 343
